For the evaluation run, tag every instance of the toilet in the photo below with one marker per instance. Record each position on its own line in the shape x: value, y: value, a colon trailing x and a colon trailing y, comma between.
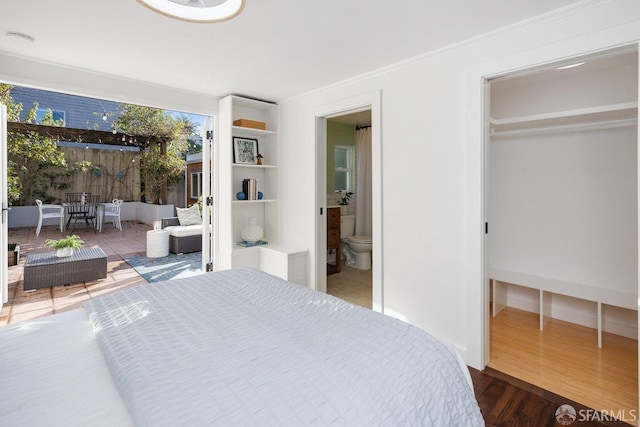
x: 360, y: 246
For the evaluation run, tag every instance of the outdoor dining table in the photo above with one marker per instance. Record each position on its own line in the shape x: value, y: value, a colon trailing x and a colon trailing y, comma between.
x: 85, y: 208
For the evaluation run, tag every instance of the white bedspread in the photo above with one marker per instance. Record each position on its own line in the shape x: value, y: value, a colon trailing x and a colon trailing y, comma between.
x: 242, y: 347
x: 53, y: 374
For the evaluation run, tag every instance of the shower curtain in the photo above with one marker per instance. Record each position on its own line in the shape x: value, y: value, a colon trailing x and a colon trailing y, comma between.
x: 363, y: 182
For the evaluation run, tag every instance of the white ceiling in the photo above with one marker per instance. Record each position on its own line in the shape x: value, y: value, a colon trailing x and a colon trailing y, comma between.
x: 274, y: 50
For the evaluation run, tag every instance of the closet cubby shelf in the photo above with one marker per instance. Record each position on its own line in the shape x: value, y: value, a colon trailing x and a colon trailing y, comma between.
x: 603, y: 116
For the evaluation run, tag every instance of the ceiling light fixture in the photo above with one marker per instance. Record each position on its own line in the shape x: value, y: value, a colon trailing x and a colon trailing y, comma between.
x: 202, y: 11
x: 571, y: 66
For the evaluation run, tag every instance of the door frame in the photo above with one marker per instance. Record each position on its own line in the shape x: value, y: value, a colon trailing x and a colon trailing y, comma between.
x: 4, y: 210
x: 366, y: 101
x: 209, y: 190
x: 478, y: 303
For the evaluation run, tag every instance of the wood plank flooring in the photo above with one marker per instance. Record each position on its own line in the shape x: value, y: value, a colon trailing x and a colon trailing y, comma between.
x: 508, y: 401
x: 565, y: 359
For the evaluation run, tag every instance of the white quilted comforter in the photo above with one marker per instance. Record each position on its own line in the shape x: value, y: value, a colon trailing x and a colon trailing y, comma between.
x: 241, y: 347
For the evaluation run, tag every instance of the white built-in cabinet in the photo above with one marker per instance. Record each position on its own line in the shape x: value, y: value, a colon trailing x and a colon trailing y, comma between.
x: 275, y: 258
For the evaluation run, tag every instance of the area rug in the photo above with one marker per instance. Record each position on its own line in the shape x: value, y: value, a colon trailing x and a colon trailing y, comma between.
x: 168, y: 267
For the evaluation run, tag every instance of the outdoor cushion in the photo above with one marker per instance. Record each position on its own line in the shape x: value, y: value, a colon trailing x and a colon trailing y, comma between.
x: 184, y: 230
x: 189, y: 216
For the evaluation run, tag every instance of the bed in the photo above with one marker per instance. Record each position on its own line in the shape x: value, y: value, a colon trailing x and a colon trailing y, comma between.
x: 236, y: 347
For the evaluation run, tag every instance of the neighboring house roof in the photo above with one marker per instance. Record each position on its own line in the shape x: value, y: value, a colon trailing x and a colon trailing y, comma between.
x: 79, y: 112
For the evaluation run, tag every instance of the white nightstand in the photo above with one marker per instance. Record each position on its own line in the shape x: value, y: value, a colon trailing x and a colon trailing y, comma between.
x: 157, y: 243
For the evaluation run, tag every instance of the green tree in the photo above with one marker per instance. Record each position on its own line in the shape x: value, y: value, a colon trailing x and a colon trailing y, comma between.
x: 162, y: 141
x: 34, y: 162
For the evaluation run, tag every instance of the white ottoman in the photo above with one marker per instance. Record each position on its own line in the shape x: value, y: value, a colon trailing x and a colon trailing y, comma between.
x: 157, y: 243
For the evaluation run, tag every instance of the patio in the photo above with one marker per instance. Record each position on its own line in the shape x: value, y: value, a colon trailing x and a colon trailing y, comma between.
x: 118, y: 245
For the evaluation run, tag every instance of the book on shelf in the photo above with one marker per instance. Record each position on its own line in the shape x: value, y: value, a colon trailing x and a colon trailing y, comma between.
x: 249, y: 244
x: 250, y: 188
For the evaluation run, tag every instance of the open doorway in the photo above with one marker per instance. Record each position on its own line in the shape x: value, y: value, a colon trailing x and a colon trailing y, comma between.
x: 562, y: 247
x: 371, y: 102
x: 349, y: 208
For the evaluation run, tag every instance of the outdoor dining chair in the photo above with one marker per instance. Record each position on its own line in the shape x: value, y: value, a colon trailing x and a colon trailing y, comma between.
x: 49, y: 211
x: 75, y: 197
x: 111, y: 210
x: 85, y: 209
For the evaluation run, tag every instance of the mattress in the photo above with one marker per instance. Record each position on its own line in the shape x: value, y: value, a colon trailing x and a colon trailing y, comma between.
x: 238, y: 347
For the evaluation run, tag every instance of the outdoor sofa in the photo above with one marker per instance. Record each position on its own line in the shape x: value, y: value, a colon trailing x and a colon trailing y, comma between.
x: 185, y: 230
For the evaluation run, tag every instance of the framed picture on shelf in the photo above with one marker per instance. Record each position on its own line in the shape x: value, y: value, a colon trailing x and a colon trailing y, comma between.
x: 245, y: 150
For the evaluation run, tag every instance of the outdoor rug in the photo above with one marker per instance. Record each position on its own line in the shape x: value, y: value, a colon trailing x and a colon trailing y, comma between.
x: 168, y: 267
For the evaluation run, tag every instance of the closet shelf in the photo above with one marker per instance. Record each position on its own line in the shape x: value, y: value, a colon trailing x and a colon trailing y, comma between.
x: 604, y: 116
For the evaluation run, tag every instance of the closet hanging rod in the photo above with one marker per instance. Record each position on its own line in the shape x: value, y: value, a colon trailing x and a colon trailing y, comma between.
x: 362, y: 127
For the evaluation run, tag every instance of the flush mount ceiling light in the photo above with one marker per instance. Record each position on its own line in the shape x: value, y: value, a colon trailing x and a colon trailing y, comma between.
x: 196, y: 10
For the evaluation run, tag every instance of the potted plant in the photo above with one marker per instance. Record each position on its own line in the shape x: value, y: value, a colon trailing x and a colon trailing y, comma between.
x: 65, y: 247
x: 343, y: 200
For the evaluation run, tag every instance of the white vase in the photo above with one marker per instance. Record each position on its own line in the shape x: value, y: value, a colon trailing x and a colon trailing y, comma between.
x: 344, y: 210
x: 252, y: 232
x: 64, y: 252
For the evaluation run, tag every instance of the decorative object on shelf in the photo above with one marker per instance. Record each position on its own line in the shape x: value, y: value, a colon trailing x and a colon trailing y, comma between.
x: 64, y: 247
x: 205, y: 11
x: 253, y: 124
x: 241, y: 195
x: 245, y: 150
x: 250, y: 244
x: 252, y: 232
x: 259, y: 159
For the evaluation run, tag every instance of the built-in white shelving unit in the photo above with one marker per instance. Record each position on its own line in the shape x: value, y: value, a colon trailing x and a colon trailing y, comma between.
x: 234, y: 214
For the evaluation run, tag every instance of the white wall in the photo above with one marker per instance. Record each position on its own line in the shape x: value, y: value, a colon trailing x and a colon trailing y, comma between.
x: 24, y: 72
x: 432, y: 134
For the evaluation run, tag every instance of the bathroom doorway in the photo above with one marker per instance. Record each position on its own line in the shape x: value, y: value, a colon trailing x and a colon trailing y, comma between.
x: 366, y: 103
x: 349, y: 193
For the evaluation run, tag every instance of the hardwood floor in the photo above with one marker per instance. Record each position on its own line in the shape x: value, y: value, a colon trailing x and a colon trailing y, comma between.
x: 507, y: 401
x: 565, y: 359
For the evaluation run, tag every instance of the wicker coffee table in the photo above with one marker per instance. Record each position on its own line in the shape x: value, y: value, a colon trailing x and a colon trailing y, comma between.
x: 44, y: 270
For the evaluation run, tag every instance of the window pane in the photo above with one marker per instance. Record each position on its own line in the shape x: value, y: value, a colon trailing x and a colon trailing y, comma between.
x: 341, y: 158
x: 342, y: 180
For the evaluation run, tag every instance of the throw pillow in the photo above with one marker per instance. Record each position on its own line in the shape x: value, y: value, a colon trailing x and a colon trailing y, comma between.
x: 189, y: 216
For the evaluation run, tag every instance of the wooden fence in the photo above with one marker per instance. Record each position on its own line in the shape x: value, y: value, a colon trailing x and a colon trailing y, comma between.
x: 115, y: 174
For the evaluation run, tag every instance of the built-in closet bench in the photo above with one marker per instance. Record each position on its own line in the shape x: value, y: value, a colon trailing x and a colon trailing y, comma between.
x: 501, y: 278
